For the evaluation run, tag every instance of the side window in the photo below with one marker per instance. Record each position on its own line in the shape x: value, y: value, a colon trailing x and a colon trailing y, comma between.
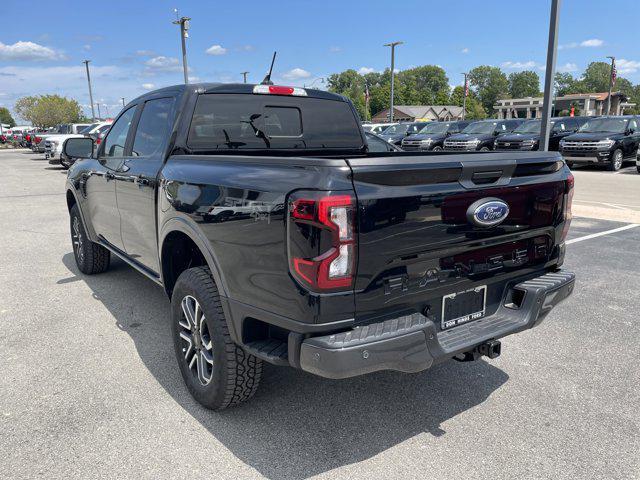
x: 117, y: 138
x: 153, y: 128
x: 559, y: 127
x: 633, y: 125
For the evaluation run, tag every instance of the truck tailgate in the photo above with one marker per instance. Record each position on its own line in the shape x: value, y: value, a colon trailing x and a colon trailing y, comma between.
x: 417, y: 242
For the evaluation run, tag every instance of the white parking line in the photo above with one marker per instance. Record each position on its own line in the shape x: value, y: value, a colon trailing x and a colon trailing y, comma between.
x: 600, y: 234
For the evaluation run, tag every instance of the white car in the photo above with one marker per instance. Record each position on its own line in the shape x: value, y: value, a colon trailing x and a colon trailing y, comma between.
x: 377, y: 128
x: 53, y: 144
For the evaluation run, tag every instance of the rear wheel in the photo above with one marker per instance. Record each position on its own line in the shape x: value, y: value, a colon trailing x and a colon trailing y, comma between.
x: 90, y: 257
x: 218, y: 373
x: 616, y: 161
x: 437, y: 148
x: 484, y: 149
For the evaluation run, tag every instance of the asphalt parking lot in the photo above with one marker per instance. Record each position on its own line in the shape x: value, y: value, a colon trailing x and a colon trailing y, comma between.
x: 89, y: 386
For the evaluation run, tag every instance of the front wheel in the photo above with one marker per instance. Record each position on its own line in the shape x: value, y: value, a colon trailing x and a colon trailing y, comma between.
x: 217, y: 372
x: 484, y: 149
x: 437, y: 148
x: 90, y: 257
x: 616, y: 161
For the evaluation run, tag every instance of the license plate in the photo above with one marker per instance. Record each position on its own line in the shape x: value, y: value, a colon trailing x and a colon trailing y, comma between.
x: 463, y: 307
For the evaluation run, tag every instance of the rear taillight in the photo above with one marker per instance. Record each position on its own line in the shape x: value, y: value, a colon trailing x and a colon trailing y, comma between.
x: 322, y: 243
x: 568, y: 200
x: 279, y: 90
x: 38, y: 139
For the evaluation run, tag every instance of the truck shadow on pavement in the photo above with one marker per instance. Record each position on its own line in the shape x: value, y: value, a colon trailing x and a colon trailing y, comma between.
x: 297, y: 425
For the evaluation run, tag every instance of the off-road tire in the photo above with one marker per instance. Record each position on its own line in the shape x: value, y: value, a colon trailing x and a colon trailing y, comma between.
x: 235, y: 373
x: 91, y: 258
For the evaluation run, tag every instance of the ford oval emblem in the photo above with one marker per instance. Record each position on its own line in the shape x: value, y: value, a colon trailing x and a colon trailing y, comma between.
x: 487, y: 212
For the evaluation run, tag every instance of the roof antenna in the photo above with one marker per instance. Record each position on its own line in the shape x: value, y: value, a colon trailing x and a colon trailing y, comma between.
x: 267, y: 78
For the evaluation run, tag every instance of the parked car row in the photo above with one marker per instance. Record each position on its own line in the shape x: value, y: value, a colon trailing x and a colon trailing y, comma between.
x: 51, y: 141
x: 606, y: 140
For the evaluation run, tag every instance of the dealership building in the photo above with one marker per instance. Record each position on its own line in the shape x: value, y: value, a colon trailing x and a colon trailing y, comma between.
x: 588, y: 104
x: 420, y: 113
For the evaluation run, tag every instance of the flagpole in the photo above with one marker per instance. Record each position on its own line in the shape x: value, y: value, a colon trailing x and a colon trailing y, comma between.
x: 611, y: 80
x: 464, y: 97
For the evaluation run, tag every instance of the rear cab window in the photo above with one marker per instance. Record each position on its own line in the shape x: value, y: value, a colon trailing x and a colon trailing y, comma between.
x: 256, y: 122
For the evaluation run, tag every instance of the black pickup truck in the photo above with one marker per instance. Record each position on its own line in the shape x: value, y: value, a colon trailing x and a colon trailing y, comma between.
x: 280, y: 238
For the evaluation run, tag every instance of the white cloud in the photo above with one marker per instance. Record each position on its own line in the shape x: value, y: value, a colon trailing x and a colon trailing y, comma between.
x: 627, y: 66
x: 464, y: 50
x: 296, y: 74
x: 148, y: 86
x: 519, y: 65
x: 592, y: 42
x: 567, y: 68
x: 145, y: 53
x: 29, y: 51
x: 365, y: 70
x: 162, y: 64
x: 216, y: 50
x: 86, y: 47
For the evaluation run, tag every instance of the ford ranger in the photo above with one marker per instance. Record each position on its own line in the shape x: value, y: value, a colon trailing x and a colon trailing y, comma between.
x: 280, y: 238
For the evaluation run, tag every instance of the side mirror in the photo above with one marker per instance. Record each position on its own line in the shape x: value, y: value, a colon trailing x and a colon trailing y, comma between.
x: 75, y: 148
x: 630, y: 131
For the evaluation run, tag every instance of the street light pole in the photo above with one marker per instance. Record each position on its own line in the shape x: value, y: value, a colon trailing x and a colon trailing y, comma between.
x: 393, y: 46
x: 613, y: 62
x: 93, y: 112
x: 549, y: 79
x: 244, y: 74
x: 464, y: 97
x: 184, y: 28
x: 122, y: 101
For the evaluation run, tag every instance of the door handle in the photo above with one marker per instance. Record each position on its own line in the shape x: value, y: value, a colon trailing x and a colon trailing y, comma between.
x: 141, y: 180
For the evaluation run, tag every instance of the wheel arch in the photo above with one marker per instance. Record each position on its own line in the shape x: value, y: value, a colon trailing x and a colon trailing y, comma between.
x: 180, y: 233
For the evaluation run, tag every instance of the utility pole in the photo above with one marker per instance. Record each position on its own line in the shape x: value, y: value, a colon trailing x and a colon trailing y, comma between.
x: 464, y: 97
x: 93, y: 112
x: 549, y: 79
x: 244, y: 74
x: 99, y: 114
x: 613, y: 66
x: 184, y: 28
x: 393, y: 46
x: 122, y: 101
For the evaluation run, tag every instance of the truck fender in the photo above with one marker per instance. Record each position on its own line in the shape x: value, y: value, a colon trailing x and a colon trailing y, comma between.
x: 186, y: 226
x: 78, y: 200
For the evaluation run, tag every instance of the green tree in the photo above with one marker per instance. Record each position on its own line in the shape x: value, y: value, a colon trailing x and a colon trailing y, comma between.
x: 352, y: 85
x: 425, y: 85
x: 596, y: 77
x: 490, y: 84
x: 6, y: 118
x: 564, y: 84
x: 524, y: 84
x: 48, y: 110
x: 473, y: 107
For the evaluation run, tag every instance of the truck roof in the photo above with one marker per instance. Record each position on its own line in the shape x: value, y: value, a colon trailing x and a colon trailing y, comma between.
x: 243, y: 88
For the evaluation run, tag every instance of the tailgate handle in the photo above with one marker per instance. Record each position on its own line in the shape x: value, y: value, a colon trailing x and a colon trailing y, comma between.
x: 486, y: 177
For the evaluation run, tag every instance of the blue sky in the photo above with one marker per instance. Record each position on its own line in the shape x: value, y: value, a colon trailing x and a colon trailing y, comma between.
x: 134, y: 47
